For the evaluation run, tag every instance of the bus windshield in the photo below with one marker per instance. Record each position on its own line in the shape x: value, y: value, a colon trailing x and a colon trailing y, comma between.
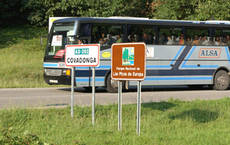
x: 60, y: 35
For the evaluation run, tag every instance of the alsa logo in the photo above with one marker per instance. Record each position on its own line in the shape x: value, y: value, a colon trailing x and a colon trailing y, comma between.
x: 210, y: 52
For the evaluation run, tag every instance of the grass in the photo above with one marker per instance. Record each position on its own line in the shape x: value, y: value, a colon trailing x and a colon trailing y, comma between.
x: 22, y: 57
x: 162, y: 123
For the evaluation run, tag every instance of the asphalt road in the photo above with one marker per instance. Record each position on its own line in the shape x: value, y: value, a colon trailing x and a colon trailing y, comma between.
x: 60, y: 97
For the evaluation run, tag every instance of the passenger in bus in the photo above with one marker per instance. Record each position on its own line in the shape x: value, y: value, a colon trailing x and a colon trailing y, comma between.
x: 103, y: 36
x: 163, y: 39
x: 109, y: 40
x: 196, y: 40
x: 181, y: 40
x: 217, y: 41
x: 228, y: 40
x: 151, y: 39
x: 222, y: 41
x: 201, y: 39
x: 188, y: 41
x: 204, y: 41
x: 177, y: 38
x: 79, y: 42
x: 136, y: 38
x: 131, y: 38
x: 102, y: 40
x: 170, y: 41
x: 119, y: 40
x: 145, y: 38
x: 211, y: 40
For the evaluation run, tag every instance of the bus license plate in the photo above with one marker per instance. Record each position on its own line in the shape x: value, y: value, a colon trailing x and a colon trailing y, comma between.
x: 53, y: 81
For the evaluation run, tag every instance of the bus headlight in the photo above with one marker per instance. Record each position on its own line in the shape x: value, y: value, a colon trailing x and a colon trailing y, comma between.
x: 68, y: 72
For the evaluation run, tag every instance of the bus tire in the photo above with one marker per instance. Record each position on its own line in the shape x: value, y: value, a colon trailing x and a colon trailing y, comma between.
x: 111, y: 85
x: 88, y: 89
x: 221, y: 80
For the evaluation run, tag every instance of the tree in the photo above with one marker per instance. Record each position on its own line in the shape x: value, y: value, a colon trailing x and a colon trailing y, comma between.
x: 192, y: 9
x: 175, y: 9
x: 37, y: 12
x: 40, y: 11
x: 212, y: 10
x: 11, y: 12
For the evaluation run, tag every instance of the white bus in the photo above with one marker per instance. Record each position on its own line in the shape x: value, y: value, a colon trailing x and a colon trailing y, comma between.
x: 193, y: 53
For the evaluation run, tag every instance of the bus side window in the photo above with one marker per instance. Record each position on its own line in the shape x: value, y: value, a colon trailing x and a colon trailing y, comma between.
x: 199, y: 36
x: 107, y: 34
x: 84, y: 33
x: 222, y: 37
x: 171, y: 36
x: 141, y: 33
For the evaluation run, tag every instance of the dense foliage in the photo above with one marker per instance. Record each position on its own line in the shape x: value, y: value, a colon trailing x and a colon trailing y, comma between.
x: 41, y: 10
x: 193, y: 9
x: 11, y: 11
x: 37, y: 12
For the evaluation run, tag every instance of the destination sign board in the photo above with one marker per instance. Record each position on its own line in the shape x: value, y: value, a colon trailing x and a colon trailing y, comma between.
x: 82, y: 55
x: 128, y: 61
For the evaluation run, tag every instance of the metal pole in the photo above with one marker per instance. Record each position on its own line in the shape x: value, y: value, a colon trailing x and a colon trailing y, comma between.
x: 93, y: 96
x: 72, y: 90
x: 119, y: 105
x: 138, y: 107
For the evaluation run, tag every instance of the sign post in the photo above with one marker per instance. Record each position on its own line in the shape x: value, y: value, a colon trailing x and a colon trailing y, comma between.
x: 83, y: 56
x: 93, y: 96
x: 128, y: 63
x: 72, y: 91
x: 138, y: 107
x: 119, y: 105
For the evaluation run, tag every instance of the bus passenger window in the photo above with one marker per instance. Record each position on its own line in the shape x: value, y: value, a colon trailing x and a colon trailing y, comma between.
x: 222, y: 37
x: 84, y: 33
x: 107, y: 34
x: 199, y: 36
x: 228, y: 40
x: 141, y: 33
x: 171, y: 36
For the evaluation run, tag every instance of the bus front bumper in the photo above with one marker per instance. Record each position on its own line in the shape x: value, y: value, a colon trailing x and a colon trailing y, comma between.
x: 57, y: 77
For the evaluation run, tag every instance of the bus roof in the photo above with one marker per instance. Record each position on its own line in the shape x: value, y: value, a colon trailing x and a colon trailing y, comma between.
x: 134, y: 20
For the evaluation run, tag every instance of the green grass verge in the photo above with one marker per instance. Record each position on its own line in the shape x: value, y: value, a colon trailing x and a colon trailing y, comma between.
x: 162, y: 123
x: 22, y: 57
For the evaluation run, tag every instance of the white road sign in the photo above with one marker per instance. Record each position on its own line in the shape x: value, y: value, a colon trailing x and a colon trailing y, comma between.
x: 82, y: 55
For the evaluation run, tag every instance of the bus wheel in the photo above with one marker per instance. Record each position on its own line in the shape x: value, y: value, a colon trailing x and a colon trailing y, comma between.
x: 88, y: 89
x: 221, y: 80
x: 111, y: 85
